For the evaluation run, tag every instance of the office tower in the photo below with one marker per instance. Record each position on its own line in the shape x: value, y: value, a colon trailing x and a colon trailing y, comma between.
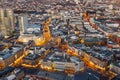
x: 22, y: 23
x: 6, y: 22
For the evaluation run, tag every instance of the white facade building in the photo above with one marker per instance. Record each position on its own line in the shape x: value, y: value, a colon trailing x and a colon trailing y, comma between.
x: 23, y: 23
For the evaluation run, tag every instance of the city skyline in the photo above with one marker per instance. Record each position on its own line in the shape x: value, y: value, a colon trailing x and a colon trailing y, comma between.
x: 59, y: 40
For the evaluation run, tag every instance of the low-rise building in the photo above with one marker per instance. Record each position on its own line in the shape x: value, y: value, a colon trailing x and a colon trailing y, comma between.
x: 118, y: 38
x: 116, y: 77
x: 12, y: 74
x: 115, y: 67
x: 60, y: 61
x: 2, y: 46
x: 100, y: 56
x: 9, y: 55
x: 94, y: 41
x: 31, y: 60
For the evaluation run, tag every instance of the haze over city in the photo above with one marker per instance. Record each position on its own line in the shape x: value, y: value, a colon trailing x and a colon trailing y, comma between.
x: 59, y: 39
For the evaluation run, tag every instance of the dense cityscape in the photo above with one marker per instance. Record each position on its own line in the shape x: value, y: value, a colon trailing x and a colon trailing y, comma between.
x: 59, y: 39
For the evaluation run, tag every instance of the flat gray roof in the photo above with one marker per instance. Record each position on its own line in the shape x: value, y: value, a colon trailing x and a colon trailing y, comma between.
x: 6, y: 53
x: 101, y: 53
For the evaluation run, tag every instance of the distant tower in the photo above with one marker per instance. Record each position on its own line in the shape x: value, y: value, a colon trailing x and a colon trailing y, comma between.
x: 46, y: 30
x: 6, y: 21
x: 22, y: 23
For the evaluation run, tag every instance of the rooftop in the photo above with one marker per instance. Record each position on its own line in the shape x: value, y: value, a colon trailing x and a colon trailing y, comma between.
x: 31, y: 56
x: 1, y: 45
x: 102, y: 53
x: 118, y: 35
x: 6, y: 53
x: 116, y: 77
x: 56, y: 56
x: 61, y: 56
x: 93, y: 39
x: 85, y: 76
x: 78, y: 46
x: 116, y: 63
x: 54, y: 75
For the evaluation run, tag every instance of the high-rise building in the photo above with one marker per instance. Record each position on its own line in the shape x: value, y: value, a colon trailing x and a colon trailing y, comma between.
x: 22, y: 23
x: 6, y: 21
